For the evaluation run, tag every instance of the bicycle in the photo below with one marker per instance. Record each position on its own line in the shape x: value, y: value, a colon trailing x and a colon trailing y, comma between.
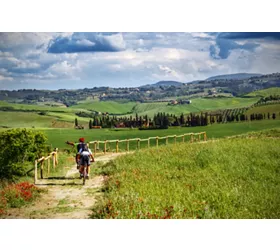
x: 86, y: 170
x: 85, y: 173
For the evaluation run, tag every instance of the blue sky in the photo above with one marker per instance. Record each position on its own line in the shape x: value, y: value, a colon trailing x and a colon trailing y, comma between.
x: 79, y: 60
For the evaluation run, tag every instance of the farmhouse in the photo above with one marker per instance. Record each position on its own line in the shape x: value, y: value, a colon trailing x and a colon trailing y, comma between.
x: 173, y: 102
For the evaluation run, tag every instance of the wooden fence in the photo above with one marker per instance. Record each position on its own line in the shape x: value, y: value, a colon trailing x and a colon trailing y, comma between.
x: 54, y: 156
x: 193, y: 137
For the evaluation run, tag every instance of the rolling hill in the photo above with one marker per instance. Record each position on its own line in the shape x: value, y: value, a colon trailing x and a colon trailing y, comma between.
x: 239, y: 76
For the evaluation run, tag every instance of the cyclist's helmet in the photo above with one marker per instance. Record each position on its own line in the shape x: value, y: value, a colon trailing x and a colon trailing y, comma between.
x: 82, y: 140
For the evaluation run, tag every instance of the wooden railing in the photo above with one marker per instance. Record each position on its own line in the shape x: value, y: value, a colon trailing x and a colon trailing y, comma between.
x: 54, y: 156
x: 96, y: 144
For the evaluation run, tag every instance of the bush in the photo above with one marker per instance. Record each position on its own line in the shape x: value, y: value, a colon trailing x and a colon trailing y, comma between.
x: 18, y: 146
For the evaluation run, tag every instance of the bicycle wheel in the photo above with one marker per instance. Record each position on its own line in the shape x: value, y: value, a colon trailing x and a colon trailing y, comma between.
x: 85, y: 173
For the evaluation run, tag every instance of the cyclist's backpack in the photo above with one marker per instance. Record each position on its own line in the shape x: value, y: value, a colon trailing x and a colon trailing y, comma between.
x: 82, y: 146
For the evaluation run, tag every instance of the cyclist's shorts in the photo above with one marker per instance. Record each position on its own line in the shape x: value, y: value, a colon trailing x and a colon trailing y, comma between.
x: 84, y: 159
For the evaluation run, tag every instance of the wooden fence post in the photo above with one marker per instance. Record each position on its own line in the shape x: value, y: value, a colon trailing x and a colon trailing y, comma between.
x: 105, y: 147
x: 138, y: 144
x: 35, y: 172
x: 127, y: 145
x: 94, y: 148
x: 199, y: 137
x: 117, y: 146
x: 56, y: 157
x: 205, y: 136
x: 157, y: 141
x: 183, y: 138
x: 191, y: 138
x: 53, y: 158
x: 175, y: 137
x: 166, y: 140
x: 49, y: 163
x: 41, y: 168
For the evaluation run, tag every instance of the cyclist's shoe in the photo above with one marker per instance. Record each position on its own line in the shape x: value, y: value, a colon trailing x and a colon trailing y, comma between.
x: 78, y: 167
x: 87, y: 177
x: 81, y: 175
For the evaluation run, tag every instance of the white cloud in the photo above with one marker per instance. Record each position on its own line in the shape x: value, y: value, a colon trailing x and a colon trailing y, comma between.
x: 147, y: 57
x: 4, y: 78
x: 85, y: 42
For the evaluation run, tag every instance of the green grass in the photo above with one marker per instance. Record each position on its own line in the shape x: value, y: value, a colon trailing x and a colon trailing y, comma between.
x: 106, y: 106
x: 229, y: 178
x: 33, y: 119
x: 58, y: 137
x: 37, y: 107
x: 24, y: 120
x: 264, y: 109
x: 197, y: 105
x: 265, y: 92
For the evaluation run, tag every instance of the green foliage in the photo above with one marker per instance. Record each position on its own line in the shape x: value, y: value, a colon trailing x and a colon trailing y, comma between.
x: 19, y: 146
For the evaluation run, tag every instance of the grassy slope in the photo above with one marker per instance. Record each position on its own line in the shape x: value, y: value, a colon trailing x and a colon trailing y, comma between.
x: 24, y: 120
x: 230, y: 178
x: 31, y: 119
x: 57, y: 137
x: 37, y: 107
x: 197, y: 105
x: 107, y: 106
x: 265, y: 92
x: 271, y: 108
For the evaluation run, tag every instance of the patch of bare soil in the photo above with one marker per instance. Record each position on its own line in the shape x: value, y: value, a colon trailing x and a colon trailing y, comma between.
x: 65, y: 198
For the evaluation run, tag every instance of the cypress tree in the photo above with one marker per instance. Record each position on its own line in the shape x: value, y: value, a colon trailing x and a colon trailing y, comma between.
x: 90, y: 124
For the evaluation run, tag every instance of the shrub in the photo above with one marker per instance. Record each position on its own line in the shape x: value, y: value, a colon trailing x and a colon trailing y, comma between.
x: 18, y: 146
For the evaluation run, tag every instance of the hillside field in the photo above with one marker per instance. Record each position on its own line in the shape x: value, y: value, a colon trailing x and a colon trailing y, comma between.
x: 64, y: 117
x: 58, y: 137
x: 265, y: 92
x: 106, y: 106
x: 265, y: 109
x: 33, y: 119
x: 197, y: 105
x: 234, y: 178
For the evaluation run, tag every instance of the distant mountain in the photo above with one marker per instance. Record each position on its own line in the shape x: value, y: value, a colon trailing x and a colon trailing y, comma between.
x: 240, y: 76
x: 164, y: 83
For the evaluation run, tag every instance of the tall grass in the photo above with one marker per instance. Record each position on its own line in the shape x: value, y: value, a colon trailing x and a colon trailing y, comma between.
x: 232, y: 178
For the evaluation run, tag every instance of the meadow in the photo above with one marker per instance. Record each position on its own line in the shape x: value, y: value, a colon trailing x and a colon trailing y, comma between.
x: 265, y: 109
x: 235, y: 178
x: 58, y: 137
x: 128, y: 108
x: 197, y: 105
x: 106, y: 106
x: 27, y: 115
x: 264, y: 92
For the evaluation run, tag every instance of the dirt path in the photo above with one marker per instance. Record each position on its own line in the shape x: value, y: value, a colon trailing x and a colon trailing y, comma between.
x: 65, y: 198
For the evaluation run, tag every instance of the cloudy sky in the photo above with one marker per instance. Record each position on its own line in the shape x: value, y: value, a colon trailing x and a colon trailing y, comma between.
x: 79, y: 60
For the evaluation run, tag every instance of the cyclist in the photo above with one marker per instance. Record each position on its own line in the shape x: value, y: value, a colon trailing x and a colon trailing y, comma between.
x: 80, y: 144
x: 84, y: 156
